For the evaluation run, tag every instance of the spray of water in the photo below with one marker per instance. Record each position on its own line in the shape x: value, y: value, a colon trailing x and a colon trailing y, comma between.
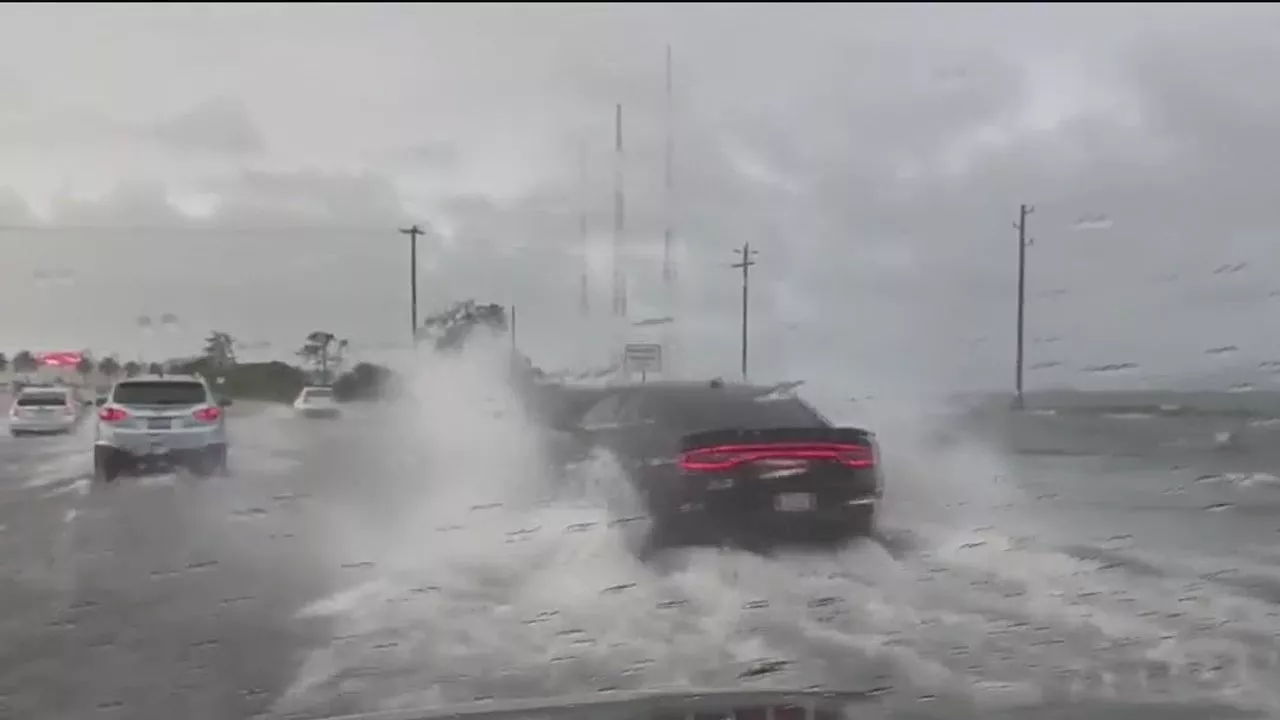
x: 499, y: 576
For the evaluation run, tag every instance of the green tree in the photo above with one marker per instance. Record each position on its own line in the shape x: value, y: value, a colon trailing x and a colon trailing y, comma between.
x: 220, y: 350
x: 133, y: 368
x: 4, y: 362
x: 451, y: 328
x: 85, y: 365
x: 109, y: 366
x: 155, y: 368
x: 24, y: 362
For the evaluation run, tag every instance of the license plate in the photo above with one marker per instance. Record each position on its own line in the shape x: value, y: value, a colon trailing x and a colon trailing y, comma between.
x: 159, y: 450
x: 795, y: 502
x: 158, y: 424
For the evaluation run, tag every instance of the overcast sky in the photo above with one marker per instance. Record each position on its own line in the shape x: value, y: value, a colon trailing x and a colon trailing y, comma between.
x: 875, y: 154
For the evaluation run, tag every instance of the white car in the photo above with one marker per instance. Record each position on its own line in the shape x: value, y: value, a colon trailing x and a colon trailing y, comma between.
x: 41, y: 410
x: 317, y: 401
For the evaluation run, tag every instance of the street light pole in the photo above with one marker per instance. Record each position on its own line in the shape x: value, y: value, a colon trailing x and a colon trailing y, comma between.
x: 413, y: 233
x: 747, y: 253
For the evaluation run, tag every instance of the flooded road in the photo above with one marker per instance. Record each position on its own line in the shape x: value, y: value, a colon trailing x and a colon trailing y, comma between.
x: 337, y: 572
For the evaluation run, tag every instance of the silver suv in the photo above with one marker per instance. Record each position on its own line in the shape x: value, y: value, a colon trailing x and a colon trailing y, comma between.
x: 158, y: 422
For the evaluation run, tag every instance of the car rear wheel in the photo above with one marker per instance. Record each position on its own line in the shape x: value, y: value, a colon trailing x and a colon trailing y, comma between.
x: 861, y: 521
x: 106, y: 467
x: 212, y: 462
x: 672, y: 531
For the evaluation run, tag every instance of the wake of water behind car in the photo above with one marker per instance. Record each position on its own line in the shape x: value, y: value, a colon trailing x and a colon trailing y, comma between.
x: 502, y: 579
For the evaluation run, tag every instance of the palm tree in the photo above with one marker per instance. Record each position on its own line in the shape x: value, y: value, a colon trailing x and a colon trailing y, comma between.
x: 319, y: 349
x: 219, y: 348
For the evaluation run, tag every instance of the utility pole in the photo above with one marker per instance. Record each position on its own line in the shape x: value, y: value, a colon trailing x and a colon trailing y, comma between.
x: 747, y: 253
x: 1023, y: 242
x: 413, y: 233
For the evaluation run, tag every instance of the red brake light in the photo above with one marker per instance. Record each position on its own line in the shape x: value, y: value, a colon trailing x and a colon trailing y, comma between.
x: 208, y: 414
x: 111, y: 414
x: 725, y: 457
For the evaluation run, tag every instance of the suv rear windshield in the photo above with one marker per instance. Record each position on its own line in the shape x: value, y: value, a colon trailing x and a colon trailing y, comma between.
x: 42, y: 400
x: 318, y: 393
x: 167, y: 392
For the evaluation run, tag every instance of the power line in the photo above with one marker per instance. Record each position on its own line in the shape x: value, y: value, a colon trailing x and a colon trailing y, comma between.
x: 99, y: 227
x: 1023, y: 242
x: 746, y: 264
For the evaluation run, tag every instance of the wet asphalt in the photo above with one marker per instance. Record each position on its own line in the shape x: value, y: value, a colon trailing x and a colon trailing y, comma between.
x: 1116, y: 567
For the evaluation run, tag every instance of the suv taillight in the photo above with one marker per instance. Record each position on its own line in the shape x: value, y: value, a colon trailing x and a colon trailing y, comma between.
x: 208, y: 414
x: 111, y: 414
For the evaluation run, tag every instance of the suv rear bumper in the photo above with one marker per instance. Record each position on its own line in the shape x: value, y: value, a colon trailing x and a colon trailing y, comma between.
x: 141, y: 442
x: 43, y: 425
x: 124, y: 459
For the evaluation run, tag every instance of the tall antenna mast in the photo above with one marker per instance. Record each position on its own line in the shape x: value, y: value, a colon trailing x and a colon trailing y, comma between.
x: 619, y: 221
x: 584, y: 298
x: 668, y: 235
x: 668, y: 261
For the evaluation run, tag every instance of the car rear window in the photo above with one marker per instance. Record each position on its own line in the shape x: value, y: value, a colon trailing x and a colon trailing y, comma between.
x: 710, y: 411
x: 160, y: 393
x: 318, y: 393
x: 42, y: 400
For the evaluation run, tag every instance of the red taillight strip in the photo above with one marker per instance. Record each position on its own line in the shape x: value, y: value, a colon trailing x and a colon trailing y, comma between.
x: 110, y: 414
x: 724, y: 457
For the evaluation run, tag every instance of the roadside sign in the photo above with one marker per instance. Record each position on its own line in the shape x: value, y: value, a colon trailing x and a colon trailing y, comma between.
x: 643, y: 358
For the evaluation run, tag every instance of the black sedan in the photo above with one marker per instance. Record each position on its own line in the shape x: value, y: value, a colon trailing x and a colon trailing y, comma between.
x: 722, y: 463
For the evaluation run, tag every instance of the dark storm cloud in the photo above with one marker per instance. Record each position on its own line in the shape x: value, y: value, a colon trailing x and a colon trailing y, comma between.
x: 876, y: 155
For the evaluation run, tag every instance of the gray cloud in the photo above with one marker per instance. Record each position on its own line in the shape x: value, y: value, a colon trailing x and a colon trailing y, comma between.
x: 876, y: 155
x: 219, y: 125
x: 14, y: 209
x: 308, y: 196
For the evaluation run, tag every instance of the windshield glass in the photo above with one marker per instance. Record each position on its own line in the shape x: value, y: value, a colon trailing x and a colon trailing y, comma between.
x: 1025, y: 258
x: 159, y: 393
x: 42, y: 399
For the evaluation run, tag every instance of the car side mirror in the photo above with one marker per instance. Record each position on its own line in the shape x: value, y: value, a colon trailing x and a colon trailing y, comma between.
x: 99, y: 401
x: 224, y: 402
